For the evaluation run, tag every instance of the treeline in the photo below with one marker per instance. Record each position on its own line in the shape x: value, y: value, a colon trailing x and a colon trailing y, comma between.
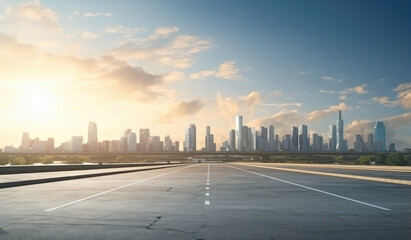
x: 27, y: 159
x: 390, y: 159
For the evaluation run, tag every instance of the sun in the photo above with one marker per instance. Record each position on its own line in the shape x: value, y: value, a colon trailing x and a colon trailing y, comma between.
x: 36, y: 102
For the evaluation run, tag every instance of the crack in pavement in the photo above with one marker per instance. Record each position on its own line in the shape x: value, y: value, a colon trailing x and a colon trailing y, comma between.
x: 169, y: 189
x: 154, y: 222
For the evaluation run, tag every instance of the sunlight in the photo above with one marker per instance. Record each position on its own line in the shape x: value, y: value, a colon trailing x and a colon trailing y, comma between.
x: 37, y: 102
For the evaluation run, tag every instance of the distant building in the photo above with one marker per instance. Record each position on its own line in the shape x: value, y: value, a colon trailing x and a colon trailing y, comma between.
x: 231, y: 139
x: 294, y: 139
x: 75, y: 144
x: 379, y: 134
x: 145, y: 139
x: 359, y: 143
x: 25, y: 142
x: 209, y: 141
x: 176, y: 146
x: 317, y: 145
x: 132, y: 142
x: 391, y: 147
x: 370, y: 143
x: 340, y: 147
x: 332, y: 144
x: 190, y: 143
x: 239, y: 132
x: 303, y: 141
x: 92, y: 143
x: 50, y: 145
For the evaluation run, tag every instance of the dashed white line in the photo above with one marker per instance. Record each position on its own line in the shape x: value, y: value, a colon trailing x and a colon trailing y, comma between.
x: 208, y: 184
x: 314, y: 189
x: 207, y: 202
x: 207, y: 194
x: 207, y: 188
x: 114, y: 189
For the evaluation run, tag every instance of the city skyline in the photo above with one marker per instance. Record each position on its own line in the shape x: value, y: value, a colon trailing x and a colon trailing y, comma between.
x: 241, y: 139
x: 280, y: 63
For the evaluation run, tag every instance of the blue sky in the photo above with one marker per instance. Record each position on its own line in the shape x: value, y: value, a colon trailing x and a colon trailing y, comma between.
x: 276, y: 62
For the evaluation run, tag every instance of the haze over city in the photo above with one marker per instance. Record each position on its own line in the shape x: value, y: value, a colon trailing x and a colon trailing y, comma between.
x: 165, y: 65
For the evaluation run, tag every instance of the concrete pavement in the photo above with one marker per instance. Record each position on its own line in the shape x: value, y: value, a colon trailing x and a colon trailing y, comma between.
x: 243, y: 202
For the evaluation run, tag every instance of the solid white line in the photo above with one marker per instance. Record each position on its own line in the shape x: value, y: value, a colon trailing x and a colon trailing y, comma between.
x: 207, y: 202
x: 314, y: 189
x: 207, y: 188
x: 207, y: 194
x: 114, y: 189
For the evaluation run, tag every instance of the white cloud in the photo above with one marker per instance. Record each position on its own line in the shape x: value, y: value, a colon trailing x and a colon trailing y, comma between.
x: 327, y: 91
x: 162, y: 32
x: 320, y: 114
x: 89, y: 35
x: 276, y: 93
x: 331, y: 79
x: 281, y: 105
x: 360, y: 89
x: 403, y: 97
x: 174, y: 76
x: 91, y: 14
x: 33, y: 16
x: 228, y: 70
x: 302, y: 73
x: 108, y: 15
x: 202, y: 74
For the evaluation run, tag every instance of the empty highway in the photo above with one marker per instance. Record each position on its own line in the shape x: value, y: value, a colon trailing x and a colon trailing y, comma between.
x: 208, y: 201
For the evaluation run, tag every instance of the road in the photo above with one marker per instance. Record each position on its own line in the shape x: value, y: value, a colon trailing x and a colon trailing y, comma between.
x: 207, y: 201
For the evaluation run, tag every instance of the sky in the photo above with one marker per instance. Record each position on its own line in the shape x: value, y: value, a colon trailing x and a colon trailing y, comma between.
x: 166, y: 64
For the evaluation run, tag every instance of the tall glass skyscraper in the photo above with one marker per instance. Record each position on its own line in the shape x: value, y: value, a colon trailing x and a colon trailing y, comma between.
x: 190, y: 143
x: 340, y: 147
x: 239, y: 132
x: 92, y: 137
x: 379, y: 134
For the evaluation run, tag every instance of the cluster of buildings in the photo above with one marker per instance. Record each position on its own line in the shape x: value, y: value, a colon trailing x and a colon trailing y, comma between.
x: 240, y: 139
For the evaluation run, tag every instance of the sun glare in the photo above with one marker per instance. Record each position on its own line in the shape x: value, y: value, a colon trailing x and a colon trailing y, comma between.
x: 36, y: 102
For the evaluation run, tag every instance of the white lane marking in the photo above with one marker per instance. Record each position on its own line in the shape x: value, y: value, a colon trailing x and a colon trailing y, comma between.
x: 114, y: 189
x: 207, y: 202
x: 208, y: 184
x: 207, y: 194
x: 314, y: 189
x: 207, y: 188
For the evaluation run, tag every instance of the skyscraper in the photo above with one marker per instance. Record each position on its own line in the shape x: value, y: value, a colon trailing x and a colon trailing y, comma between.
x: 370, y: 142
x: 190, y: 139
x: 132, y: 142
x: 379, y: 133
x: 92, y: 142
x: 340, y: 147
x: 303, y: 138
x: 271, y: 139
x: 209, y: 141
x: 333, y: 138
x: 145, y: 139
x: 25, y: 142
x: 239, y: 132
x: 231, y: 139
x: 294, y: 139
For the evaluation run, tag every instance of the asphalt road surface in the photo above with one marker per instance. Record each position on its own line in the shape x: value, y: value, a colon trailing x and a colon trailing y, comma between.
x: 207, y: 201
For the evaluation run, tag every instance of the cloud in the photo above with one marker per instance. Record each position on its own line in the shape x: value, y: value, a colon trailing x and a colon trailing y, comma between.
x: 162, y: 48
x: 327, y: 91
x: 105, y: 77
x: 91, y: 14
x: 89, y: 35
x: 320, y: 114
x: 396, y: 128
x: 360, y: 89
x: 331, y: 79
x: 403, y: 97
x: 282, y: 121
x: 202, y: 74
x: 174, y: 76
x: 281, y: 105
x: 226, y: 70
x: 119, y: 29
x: 182, y: 109
x: 302, y: 73
x: 108, y: 15
x: 252, y: 99
x: 162, y: 32
x: 33, y: 16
